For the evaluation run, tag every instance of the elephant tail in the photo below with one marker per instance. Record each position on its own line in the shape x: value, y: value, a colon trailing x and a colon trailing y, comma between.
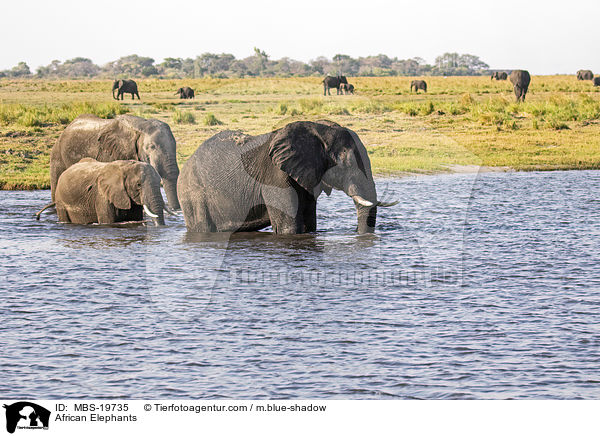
x: 37, y: 215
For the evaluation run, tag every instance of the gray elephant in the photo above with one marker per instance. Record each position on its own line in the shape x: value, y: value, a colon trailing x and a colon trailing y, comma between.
x: 333, y: 82
x: 125, y: 86
x: 185, y: 93
x: 520, y: 80
x: 596, y: 81
x: 499, y: 75
x: 585, y: 75
x: 236, y: 182
x: 109, y: 192
x: 125, y: 137
x: 418, y: 84
x: 347, y: 88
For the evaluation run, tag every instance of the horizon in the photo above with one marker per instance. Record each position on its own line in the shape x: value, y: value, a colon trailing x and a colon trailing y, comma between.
x: 484, y: 30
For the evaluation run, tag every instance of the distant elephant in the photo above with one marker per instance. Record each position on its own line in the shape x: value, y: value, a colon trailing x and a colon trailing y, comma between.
x: 109, y: 192
x: 347, y: 88
x: 236, y: 182
x: 333, y: 82
x: 185, y: 92
x: 124, y: 137
x: 520, y: 80
x: 596, y: 81
x: 418, y: 84
x: 125, y: 87
x: 585, y: 75
x: 499, y: 75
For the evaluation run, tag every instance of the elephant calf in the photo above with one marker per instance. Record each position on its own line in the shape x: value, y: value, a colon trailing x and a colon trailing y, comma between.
x: 185, y: 93
x: 596, y: 81
x: 418, y: 84
x: 109, y: 192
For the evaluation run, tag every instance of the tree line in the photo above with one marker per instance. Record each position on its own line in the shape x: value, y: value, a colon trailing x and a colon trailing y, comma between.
x: 226, y: 65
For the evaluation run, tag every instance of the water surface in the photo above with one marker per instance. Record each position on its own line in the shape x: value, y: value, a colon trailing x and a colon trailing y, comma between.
x: 474, y: 286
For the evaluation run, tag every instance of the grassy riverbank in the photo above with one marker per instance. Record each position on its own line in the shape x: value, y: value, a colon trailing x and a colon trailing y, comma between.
x: 461, y: 121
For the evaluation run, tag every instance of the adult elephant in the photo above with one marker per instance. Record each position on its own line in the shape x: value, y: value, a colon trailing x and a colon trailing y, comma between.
x: 333, y: 82
x: 125, y: 87
x: 185, y: 92
x: 520, y: 80
x: 109, y: 192
x: 236, y: 182
x: 418, y: 84
x: 499, y: 75
x: 585, y: 75
x: 124, y: 137
x: 596, y: 81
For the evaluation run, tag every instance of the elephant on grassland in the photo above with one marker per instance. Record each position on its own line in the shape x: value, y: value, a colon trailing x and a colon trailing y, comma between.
x: 418, y: 84
x: 333, y: 82
x: 125, y: 86
x: 499, y: 75
x: 237, y: 182
x: 185, y: 92
x: 124, y: 137
x: 347, y: 88
x: 520, y: 80
x: 596, y: 81
x: 585, y: 75
x: 109, y: 192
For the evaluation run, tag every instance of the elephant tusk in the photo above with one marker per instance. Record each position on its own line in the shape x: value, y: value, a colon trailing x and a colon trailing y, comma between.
x: 170, y: 211
x: 387, y: 204
x: 150, y: 214
x: 362, y: 201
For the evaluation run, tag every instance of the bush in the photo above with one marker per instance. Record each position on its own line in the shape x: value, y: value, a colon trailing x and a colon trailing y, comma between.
x: 183, y: 117
x: 211, y: 120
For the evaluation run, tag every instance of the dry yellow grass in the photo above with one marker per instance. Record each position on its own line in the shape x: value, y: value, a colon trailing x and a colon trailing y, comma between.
x: 460, y: 121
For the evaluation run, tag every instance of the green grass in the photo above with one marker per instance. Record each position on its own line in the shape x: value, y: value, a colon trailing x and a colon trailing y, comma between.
x: 459, y: 121
x: 183, y: 117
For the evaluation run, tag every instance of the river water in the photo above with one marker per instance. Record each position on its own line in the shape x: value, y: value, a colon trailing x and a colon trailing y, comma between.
x: 475, y: 286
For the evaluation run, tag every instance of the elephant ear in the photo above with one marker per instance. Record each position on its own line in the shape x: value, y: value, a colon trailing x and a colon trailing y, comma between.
x: 111, y: 185
x: 299, y: 150
x: 118, y: 141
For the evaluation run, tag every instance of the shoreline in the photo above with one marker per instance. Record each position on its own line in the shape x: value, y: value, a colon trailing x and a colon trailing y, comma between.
x: 454, y: 169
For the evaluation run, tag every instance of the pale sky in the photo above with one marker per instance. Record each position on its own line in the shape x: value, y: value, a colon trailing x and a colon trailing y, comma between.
x: 545, y: 37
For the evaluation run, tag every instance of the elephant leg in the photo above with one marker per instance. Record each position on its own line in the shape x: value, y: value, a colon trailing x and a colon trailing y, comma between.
x: 197, y: 218
x: 310, y: 216
x: 138, y: 95
x: 63, y: 215
x: 284, y: 224
x: 132, y: 96
x: 105, y: 212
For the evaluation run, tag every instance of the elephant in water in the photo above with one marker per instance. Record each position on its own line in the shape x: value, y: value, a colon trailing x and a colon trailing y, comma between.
x: 125, y: 137
x: 585, y: 75
x: 185, y: 92
x: 499, y: 75
x: 333, y: 82
x: 109, y: 192
x: 520, y: 80
x: 418, y: 84
x: 236, y: 182
x: 125, y: 87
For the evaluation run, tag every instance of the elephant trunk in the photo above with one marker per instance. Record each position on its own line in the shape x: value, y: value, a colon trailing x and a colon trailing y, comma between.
x: 365, y: 201
x: 170, y: 186
x: 153, y: 202
x: 367, y: 217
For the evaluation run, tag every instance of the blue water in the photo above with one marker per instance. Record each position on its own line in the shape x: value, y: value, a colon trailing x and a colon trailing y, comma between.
x: 474, y: 286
